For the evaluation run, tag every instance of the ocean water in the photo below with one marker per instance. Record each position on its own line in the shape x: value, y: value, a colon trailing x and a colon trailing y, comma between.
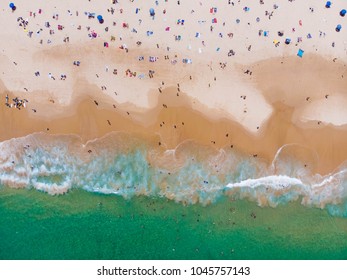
x: 84, y: 225
x: 120, y: 197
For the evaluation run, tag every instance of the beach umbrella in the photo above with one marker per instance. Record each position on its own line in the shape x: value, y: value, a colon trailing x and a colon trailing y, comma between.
x: 11, y: 5
x: 338, y: 28
x: 99, y: 17
x: 151, y: 12
x: 328, y: 4
x: 343, y: 13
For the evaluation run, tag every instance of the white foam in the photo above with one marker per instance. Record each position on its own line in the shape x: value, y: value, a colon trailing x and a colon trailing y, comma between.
x: 53, y: 169
x: 278, y: 182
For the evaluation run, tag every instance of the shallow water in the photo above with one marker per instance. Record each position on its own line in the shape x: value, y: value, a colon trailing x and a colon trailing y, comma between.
x: 128, y: 166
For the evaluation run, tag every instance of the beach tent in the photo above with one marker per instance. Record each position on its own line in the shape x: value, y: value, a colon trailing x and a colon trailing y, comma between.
x: 328, y: 4
x: 300, y: 52
x: 338, y: 28
x: 343, y: 13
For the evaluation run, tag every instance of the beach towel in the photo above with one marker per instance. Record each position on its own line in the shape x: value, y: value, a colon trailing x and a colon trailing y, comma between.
x: 300, y: 53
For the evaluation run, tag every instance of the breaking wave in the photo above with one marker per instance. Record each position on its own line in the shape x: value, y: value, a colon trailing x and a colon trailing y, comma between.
x: 128, y: 166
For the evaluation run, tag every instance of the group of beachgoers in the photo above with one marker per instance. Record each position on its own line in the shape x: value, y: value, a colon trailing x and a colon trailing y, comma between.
x: 17, y: 102
x: 92, y: 34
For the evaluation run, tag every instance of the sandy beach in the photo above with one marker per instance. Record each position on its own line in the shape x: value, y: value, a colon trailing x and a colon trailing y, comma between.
x: 220, y: 74
x: 173, y: 130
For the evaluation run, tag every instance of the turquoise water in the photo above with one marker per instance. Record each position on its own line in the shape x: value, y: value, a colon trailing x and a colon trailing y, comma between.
x: 121, y: 197
x: 82, y: 225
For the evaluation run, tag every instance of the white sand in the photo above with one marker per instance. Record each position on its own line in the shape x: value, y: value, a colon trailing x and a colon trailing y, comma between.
x: 330, y: 111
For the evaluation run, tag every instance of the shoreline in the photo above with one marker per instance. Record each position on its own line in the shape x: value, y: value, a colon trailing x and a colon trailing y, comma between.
x: 179, y: 122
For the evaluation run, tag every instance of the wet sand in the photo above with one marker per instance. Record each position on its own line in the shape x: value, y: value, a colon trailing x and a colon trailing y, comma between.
x: 174, y: 120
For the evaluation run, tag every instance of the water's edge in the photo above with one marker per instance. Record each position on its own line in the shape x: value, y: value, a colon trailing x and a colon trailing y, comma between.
x: 122, y: 164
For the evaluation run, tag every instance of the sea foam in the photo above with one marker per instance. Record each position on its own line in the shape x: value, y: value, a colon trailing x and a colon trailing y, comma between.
x: 124, y: 165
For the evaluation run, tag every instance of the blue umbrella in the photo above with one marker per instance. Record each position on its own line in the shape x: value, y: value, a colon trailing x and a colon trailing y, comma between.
x: 338, y: 28
x: 99, y: 17
x: 11, y: 5
x: 328, y: 4
x: 151, y: 12
x: 343, y: 13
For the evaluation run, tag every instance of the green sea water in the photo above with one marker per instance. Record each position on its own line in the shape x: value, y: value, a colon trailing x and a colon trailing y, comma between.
x: 84, y: 225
